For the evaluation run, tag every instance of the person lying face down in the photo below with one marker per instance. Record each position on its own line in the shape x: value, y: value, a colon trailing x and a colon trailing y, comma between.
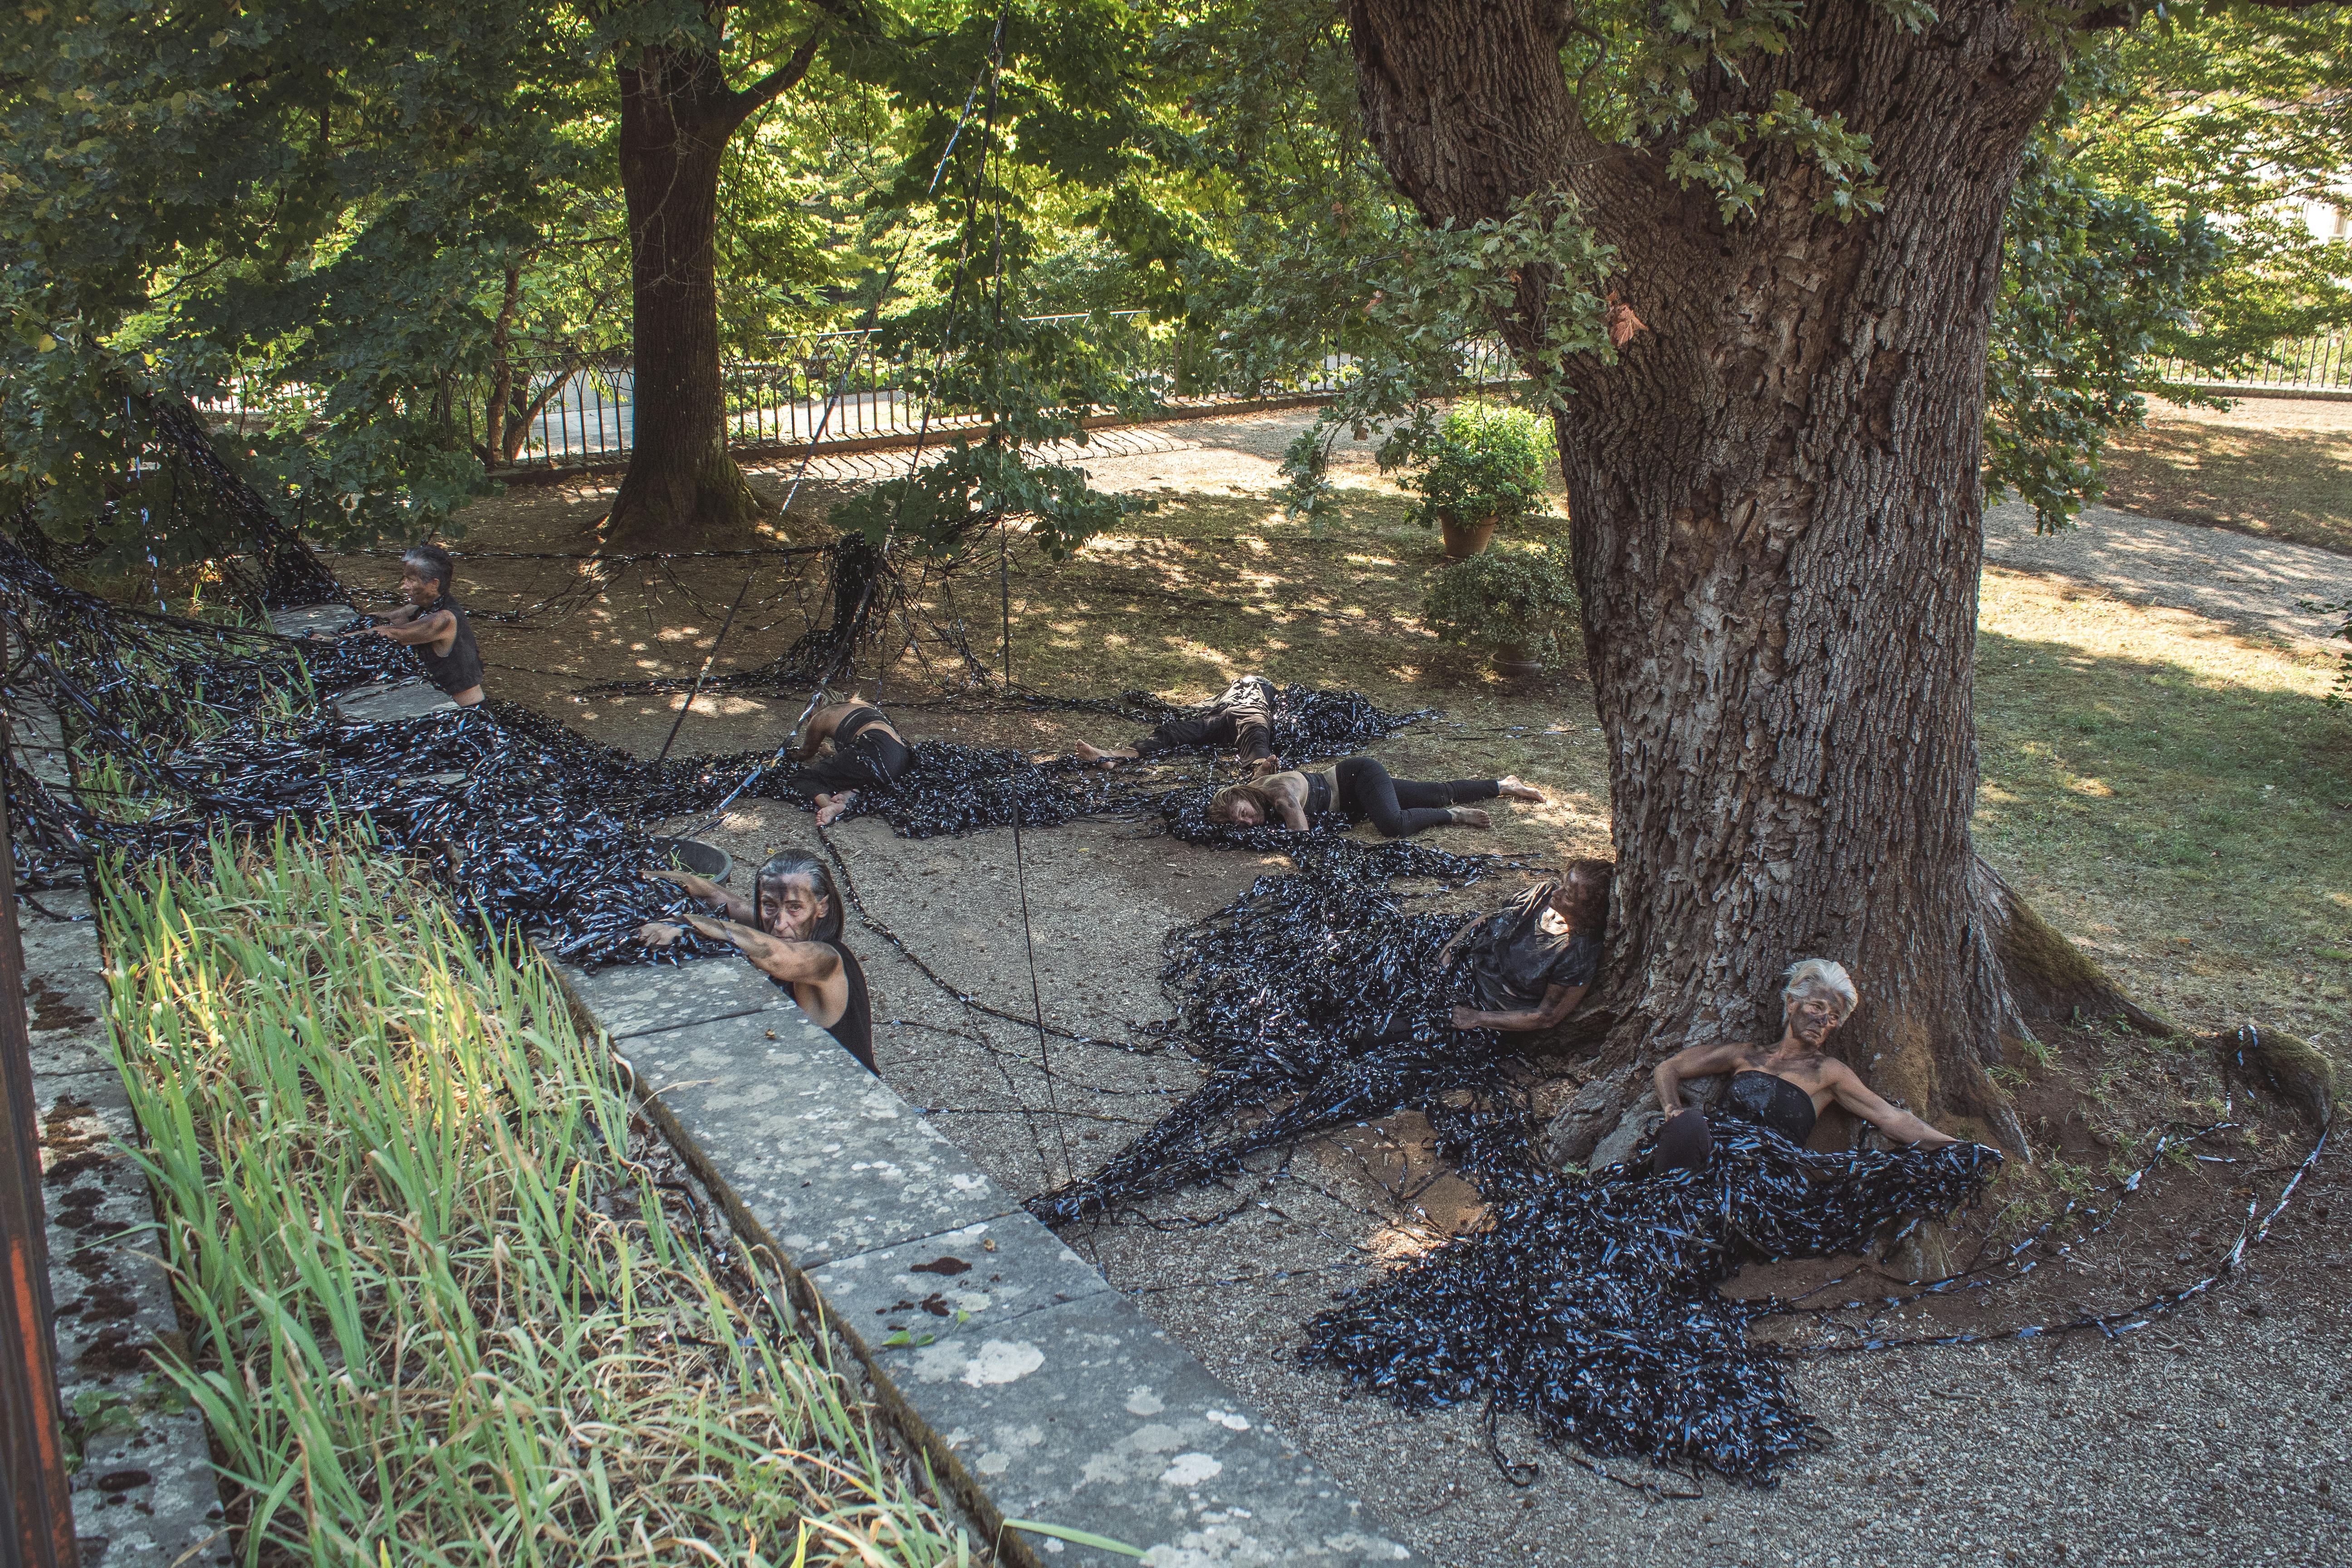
x: 433, y: 623
x: 861, y: 751
x: 791, y: 930
x: 1531, y: 963
x: 1360, y: 790
x: 1242, y: 719
x: 1782, y: 1086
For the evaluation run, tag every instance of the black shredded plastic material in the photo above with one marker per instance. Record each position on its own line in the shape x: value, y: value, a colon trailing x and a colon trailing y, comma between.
x: 1589, y: 1308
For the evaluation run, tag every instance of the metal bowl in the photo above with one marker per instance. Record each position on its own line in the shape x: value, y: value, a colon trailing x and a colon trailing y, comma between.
x: 702, y: 860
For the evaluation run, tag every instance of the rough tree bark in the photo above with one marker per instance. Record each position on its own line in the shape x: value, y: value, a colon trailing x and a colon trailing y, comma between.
x: 677, y: 114
x: 1777, y: 528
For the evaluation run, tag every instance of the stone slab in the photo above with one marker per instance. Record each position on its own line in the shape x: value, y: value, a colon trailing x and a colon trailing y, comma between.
x: 144, y: 1489
x: 632, y: 999
x: 822, y: 1155
x: 304, y: 619
x: 392, y: 704
x: 1038, y: 1391
x: 972, y: 1280
x: 1083, y: 1414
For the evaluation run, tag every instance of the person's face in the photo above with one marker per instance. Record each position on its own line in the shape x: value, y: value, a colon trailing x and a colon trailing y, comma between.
x: 1565, y: 897
x: 795, y: 910
x: 1246, y: 813
x: 1811, y: 1016
x: 420, y: 590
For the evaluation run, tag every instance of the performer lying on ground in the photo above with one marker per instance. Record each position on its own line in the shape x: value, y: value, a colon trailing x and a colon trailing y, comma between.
x: 433, y: 623
x: 862, y: 752
x: 1242, y: 719
x: 791, y: 930
x: 1360, y: 790
x: 1782, y: 1086
x: 1531, y: 963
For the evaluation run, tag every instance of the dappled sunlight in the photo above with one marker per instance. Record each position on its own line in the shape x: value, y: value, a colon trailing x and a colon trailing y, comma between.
x: 2174, y: 797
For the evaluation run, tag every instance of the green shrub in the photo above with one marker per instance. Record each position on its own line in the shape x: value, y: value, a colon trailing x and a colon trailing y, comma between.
x: 1511, y: 596
x: 1483, y: 462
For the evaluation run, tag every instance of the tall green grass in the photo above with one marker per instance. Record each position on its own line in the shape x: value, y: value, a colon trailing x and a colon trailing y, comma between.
x: 439, y: 1316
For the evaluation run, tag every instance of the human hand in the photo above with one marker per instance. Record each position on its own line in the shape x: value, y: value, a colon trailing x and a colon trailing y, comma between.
x: 1467, y: 1018
x: 701, y: 887
x: 659, y: 933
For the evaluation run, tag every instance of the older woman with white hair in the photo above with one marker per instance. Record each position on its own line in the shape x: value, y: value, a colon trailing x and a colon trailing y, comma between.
x: 1783, y: 1086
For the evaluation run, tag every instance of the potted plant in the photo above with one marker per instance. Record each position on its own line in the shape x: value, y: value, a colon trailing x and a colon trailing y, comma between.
x: 1484, y: 464
x: 1519, y: 601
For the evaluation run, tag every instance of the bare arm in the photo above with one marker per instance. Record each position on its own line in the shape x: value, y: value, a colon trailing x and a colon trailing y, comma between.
x: 1698, y: 1061
x: 711, y: 893
x: 794, y: 963
x: 1559, y: 1002
x: 420, y: 630
x: 1900, y: 1125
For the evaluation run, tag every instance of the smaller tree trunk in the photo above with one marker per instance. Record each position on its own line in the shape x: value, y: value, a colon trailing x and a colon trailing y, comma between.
x: 682, y: 489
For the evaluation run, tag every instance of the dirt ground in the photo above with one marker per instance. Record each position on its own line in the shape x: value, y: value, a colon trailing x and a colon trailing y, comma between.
x: 2217, y: 1436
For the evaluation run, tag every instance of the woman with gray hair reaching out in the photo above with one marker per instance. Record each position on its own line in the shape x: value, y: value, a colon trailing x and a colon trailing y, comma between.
x: 1783, y: 1086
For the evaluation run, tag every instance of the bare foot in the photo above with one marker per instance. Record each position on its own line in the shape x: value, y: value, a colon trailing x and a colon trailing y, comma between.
x: 1086, y: 754
x: 1512, y: 789
x: 1471, y: 816
x: 829, y: 807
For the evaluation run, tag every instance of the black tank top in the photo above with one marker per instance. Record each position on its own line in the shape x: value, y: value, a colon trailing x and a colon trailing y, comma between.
x: 1772, y: 1101
x: 459, y: 669
x: 855, y: 1028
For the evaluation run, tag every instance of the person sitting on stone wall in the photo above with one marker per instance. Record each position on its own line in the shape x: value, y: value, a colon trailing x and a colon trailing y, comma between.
x: 433, y: 623
x: 861, y: 751
x: 1782, y: 1086
x: 1242, y: 718
x: 791, y: 930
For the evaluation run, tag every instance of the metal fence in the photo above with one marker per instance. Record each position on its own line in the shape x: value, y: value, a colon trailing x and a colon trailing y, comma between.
x: 2320, y: 362
x: 572, y: 414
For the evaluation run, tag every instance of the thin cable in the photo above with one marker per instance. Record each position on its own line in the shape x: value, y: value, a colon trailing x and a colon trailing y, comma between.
x: 704, y: 673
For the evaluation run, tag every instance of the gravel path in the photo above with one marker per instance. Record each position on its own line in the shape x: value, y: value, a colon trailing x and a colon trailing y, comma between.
x: 2218, y: 1436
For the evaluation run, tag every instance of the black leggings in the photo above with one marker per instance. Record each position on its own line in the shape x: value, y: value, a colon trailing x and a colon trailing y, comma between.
x: 1400, y: 807
x: 873, y: 759
x: 1684, y: 1143
x: 1248, y: 735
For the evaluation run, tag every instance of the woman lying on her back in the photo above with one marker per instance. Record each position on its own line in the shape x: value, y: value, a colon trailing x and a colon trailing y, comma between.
x: 1360, y: 790
x: 1240, y: 719
x: 791, y: 930
x: 1782, y: 1086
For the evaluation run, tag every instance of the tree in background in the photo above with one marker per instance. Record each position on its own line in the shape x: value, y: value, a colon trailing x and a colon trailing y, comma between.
x: 1753, y: 258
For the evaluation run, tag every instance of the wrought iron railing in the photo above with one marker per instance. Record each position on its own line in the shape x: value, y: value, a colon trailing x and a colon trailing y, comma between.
x: 823, y: 388
x: 2319, y: 362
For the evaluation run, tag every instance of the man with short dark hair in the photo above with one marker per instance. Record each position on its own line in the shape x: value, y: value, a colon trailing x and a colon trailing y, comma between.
x: 433, y: 623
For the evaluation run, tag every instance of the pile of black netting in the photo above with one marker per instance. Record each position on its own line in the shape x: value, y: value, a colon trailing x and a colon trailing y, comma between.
x: 1589, y: 1305
x: 1313, y: 1002
x: 1307, y: 721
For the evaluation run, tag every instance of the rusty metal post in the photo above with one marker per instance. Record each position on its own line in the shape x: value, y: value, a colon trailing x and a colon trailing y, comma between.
x: 34, y: 1488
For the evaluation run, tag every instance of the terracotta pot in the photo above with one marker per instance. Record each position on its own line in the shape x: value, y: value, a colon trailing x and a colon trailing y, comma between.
x: 1512, y: 663
x: 1464, y: 539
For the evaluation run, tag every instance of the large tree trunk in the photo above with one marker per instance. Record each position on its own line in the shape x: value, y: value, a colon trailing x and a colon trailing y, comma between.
x: 1776, y: 524
x: 682, y: 489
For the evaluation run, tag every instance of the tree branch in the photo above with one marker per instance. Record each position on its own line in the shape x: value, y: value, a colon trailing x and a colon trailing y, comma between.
x: 741, y: 105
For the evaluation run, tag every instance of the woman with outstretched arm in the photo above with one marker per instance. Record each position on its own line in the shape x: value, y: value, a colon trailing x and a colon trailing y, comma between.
x: 791, y: 930
x: 1781, y: 1086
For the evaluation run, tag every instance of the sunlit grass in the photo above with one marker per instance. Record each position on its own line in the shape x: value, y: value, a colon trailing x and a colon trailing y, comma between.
x: 2289, y: 484
x: 439, y: 1315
